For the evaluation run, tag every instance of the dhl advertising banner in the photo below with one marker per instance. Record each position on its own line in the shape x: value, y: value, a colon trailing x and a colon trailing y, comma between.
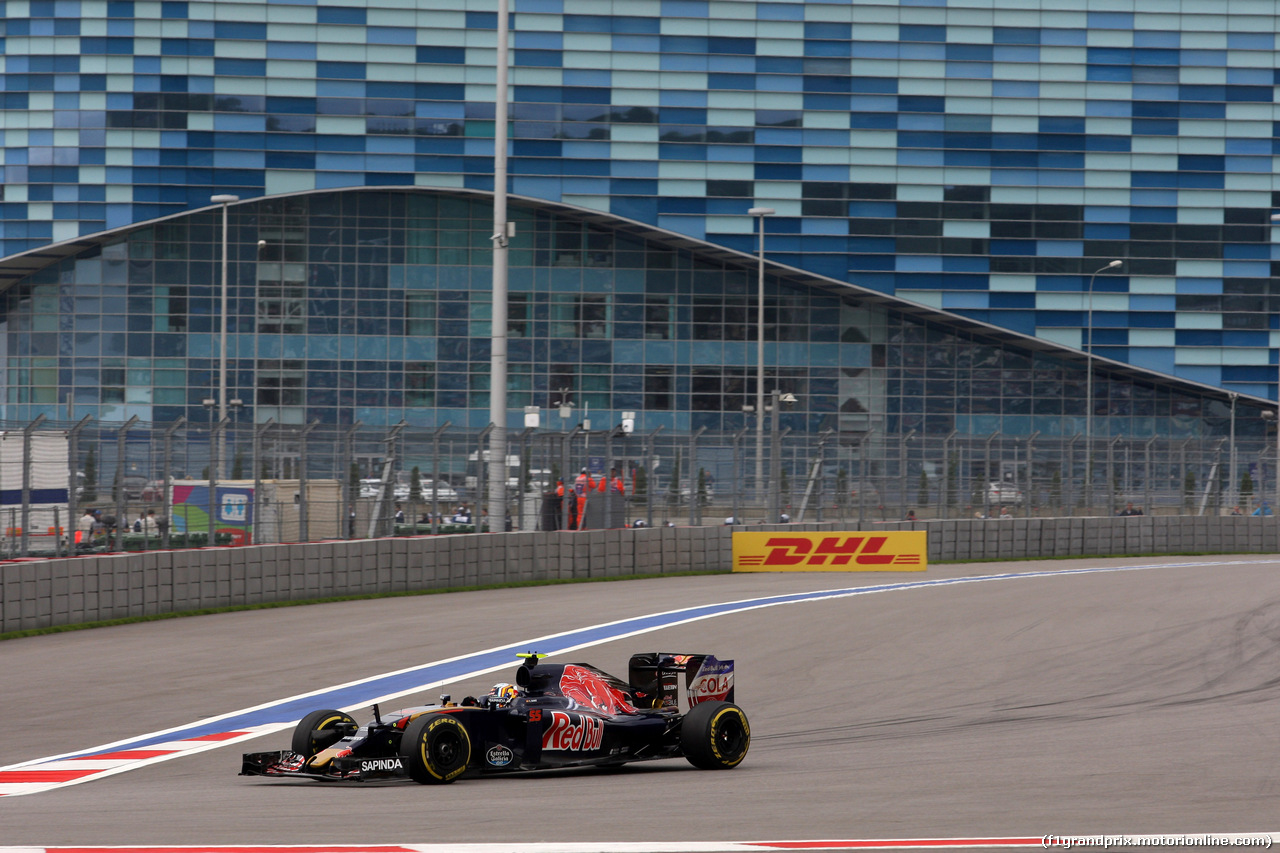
x: 839, y: 551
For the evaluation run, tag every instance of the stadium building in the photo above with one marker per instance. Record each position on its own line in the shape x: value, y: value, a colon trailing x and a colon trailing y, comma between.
x: 949, y: 181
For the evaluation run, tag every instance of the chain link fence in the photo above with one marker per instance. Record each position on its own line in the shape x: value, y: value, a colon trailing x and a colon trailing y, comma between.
x: 95, y: 487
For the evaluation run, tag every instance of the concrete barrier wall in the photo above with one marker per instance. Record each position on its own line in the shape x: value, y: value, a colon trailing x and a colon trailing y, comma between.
x: 40, y: 594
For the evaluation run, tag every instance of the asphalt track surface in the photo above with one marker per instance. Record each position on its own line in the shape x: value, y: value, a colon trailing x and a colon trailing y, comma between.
x: 1133, y: 701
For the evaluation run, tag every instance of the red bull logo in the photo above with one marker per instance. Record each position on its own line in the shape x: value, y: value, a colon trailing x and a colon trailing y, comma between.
x: 572, y: 733
x: 826, y: 552
x: 588, y: 689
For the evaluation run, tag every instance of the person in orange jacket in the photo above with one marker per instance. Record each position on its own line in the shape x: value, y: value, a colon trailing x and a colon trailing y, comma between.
x: 618, y: 486
x: 581, y: 486
x: 617, y: 482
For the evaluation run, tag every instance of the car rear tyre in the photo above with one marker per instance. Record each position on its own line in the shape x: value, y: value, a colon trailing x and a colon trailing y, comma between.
x: 436, y: 749
x: 320, y: 730
x: 715, y: 736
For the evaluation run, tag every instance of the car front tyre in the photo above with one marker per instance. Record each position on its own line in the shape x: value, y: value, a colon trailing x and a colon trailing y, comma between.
x: 435, y: 749
x: 715, y: 736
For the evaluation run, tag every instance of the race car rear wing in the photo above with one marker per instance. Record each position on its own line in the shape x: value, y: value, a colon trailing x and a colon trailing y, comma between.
x: 680, y: 681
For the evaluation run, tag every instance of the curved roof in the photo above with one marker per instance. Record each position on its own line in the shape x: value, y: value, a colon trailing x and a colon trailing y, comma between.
x: 19, y: 266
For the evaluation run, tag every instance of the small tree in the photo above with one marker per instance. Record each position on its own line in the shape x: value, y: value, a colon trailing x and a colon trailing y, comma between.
x: 353, y: 480
x: 922, y: 497
x: 1188, y: 489
x: 640, y: 482
x: 237, y: 466
x: 673, y: 485
x: 415, y: 485
x: 91, y: 476
x: 1246, y: 487
x: 703, y: 499
x: 953, y: 479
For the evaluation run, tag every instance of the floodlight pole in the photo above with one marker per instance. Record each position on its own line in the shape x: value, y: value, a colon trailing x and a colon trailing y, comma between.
x: 760, y: 213
x: 223, y: 200
x: 1088, y: 394
x: 501, y: 235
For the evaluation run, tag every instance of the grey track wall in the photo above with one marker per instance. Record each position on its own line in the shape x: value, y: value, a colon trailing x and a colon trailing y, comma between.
x: 45, y: 593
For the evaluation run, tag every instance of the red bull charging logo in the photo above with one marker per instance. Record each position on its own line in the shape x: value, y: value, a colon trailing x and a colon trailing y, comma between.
x: 591, y: 691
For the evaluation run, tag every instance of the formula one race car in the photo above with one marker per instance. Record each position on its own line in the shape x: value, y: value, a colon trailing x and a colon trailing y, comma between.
x: 555, y: 715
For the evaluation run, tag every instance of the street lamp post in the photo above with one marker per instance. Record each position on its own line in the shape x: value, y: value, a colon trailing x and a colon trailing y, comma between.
x: 1088, y: 394
x: 1231, y: 456
x: 775, y: 454
x: 210, y: 404
x: 225, y: 201
x: 760, y: 213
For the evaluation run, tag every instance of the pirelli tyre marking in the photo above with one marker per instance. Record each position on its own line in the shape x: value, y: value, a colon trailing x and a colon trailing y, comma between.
x: 442, y: 747
x: 726, y: 736
x: 715, y: 736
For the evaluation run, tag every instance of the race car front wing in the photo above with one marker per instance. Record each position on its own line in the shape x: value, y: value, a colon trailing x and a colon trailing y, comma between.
x: 286, y: 763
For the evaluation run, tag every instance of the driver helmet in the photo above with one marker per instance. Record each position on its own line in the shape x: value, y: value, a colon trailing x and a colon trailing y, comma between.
x: 502, y: 693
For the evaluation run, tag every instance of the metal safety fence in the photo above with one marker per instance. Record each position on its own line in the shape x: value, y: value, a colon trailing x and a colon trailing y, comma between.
x: 87, y: 486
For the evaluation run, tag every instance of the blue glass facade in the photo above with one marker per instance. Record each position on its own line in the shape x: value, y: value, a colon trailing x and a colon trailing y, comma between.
x: 979, y: 158
x: 376, y: 306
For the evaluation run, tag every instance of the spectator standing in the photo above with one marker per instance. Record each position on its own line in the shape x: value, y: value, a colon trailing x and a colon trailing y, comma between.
x: 84, y: 528
x: 99, y: 527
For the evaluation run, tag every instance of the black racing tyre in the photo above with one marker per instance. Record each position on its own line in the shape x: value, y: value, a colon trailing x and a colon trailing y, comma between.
x: 436, y: 749
x: 715, y: 736
x: 319, y: 730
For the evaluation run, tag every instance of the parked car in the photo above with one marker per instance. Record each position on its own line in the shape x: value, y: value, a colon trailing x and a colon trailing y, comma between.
x: 443, y: 492
x: 708, y: 497
x: 134, y: 485
x: 1004, y: 494
x: 153, y: 492
x: 371, y: 488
